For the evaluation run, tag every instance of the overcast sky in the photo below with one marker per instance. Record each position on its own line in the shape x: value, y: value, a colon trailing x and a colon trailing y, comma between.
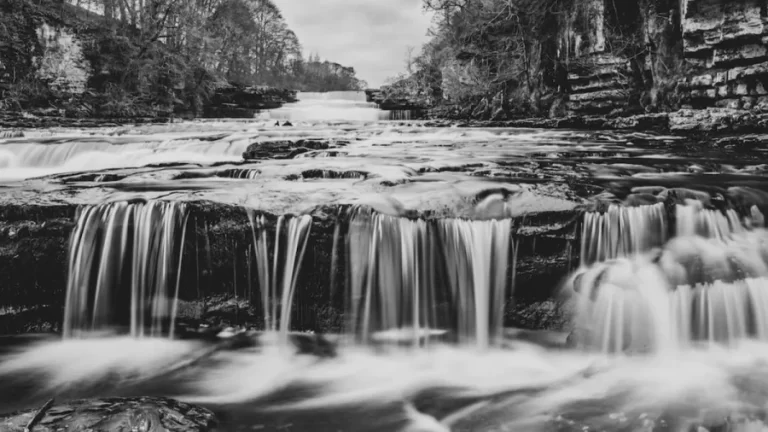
x: 369, y: 35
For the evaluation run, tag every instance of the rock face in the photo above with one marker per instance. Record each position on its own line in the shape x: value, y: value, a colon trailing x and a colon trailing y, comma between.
x: 665, y: 54
x: 62, y: 63
x: 725, y: 47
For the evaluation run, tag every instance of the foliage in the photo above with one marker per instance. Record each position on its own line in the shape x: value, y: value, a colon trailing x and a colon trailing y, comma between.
x: 25, y: 93
x: 520, y: 52
x: 164, y: 55
x: 481, y: 49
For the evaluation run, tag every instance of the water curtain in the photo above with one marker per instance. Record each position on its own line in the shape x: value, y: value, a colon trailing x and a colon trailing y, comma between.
x: 705, y: 284
x: 420, y: 276
x: 125, y: 253
x: 278, y: 282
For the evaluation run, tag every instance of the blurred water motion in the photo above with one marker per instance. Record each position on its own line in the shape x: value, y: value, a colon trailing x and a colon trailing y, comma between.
x: 670, y: 331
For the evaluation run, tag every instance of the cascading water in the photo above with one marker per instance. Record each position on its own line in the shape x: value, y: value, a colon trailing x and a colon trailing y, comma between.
x: 124, y: 263
x: 706, y: 284
x: 422, y: 276
x: 622, y: 231
x: 277, y: 284
x: 330, y: 106
x: 687, y: 280
x: 239, y: 173
x: 27, y: 154
x: 694, y: 220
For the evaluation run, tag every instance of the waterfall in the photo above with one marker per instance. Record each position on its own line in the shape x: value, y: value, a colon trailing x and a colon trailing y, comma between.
x: 124, y: 262
x: 622, y: 231
x: 334, y: 106
x: 420, y: 276
x: 239, y: 173
x: 278, y: 283
x: 706, y: 284
x: 694, y: 219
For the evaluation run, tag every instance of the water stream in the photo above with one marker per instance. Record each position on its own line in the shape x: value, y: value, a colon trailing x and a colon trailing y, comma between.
x: 670, y: 298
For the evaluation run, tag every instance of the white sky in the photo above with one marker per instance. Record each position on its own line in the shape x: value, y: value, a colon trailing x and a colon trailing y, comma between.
x: 369, y: 35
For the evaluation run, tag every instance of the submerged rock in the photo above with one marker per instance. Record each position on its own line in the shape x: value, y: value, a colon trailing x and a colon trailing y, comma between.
x: 115, y: 414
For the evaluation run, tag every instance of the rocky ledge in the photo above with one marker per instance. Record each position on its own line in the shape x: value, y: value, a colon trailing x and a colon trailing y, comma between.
x: 684, y: 122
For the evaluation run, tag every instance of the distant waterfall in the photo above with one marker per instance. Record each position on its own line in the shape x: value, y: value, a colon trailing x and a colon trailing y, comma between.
x: 708, y: 283
x: 330, y: 106
x: 123, y: 267
x: 419, y: 276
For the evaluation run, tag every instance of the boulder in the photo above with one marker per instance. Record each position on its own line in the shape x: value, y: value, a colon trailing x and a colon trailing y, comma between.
x: 131, y: 414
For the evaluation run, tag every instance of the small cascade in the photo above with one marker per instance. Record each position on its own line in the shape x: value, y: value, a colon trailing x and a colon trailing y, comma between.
x: 401, y: 115
x: 124, y: 262
x: 5, y: 134
x: 239, y: 173
x: 420, y: 276
x: 694, y: 219
x: 622, y: 231
x: 706, y: 284
x: 278, y: 264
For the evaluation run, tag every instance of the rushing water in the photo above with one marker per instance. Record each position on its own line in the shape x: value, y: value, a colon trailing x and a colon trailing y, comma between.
x: 670, y: 330
x: 124, y: 254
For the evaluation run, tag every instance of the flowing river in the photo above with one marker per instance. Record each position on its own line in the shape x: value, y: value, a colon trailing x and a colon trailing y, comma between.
x: 664, y: 287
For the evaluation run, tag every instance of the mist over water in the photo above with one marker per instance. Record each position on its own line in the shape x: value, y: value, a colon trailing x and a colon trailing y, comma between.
x: 670, y: 300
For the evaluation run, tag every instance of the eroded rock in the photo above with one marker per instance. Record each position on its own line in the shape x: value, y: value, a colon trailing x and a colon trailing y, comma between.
x: 130, y: 414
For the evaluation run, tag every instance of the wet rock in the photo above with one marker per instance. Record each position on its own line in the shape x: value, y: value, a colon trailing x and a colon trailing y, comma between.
x: 131, y: 414
x: 287, y: 149
x: 545, y: 315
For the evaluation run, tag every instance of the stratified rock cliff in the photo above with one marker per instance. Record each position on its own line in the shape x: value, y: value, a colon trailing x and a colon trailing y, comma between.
x: 725, y: 47
x: 665, y: 54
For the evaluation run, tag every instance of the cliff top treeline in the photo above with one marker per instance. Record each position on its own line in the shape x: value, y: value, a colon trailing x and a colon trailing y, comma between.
x: 118, y: 57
